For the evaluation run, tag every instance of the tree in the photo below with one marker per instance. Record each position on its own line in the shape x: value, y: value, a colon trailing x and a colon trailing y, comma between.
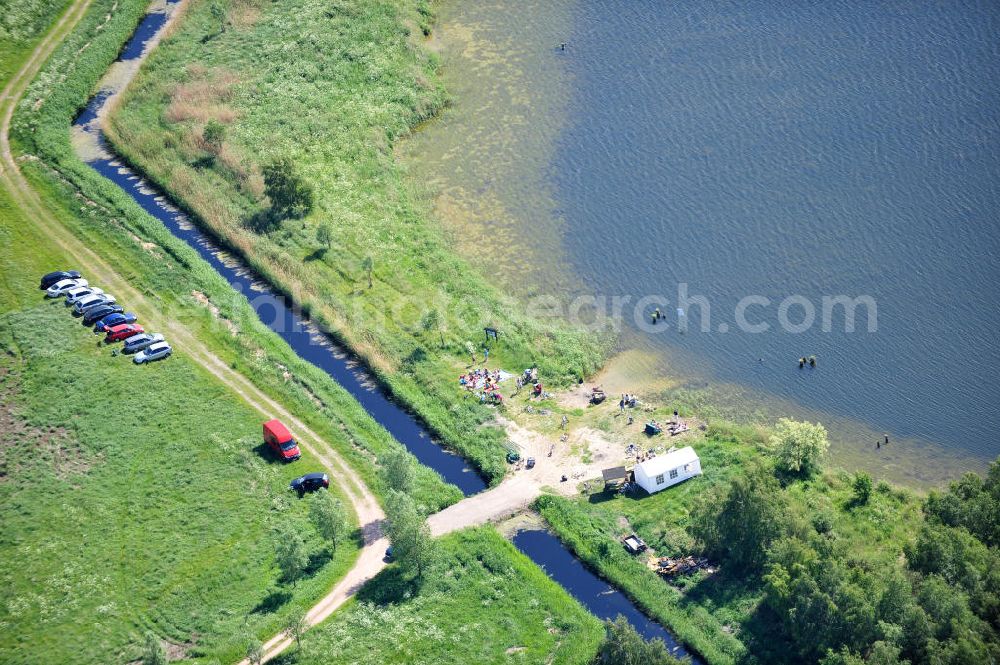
x: 254, y: 650
x: 328, y: 516
x: 290, y: 195
x: 214, y: 134
x: 219, y: 15
x: 862, y: 488
x: 737, y: 524
x: 431, y: 322
x: 972, y: 502
x: 397, y: 471
x: 290, y: 554
x: 368, y: 264
x: 153, y: 652
x: 623, y: 645
x: 324, y: 235
x: 409, y: 534
x: 295, y: 625
x: 799, y: 447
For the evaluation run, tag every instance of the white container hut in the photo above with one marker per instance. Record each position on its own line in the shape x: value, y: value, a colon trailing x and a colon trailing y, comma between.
x: 669, y: 469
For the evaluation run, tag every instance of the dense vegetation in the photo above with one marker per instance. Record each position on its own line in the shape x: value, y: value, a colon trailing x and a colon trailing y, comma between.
x: 166, y: 268
x: 334, y: 100
x: 481, y: 602
x: 813, y: 566
x: 21, y: 23
x: 134, y: 498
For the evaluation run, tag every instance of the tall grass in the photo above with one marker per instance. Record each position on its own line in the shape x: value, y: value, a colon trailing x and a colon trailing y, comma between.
x: 337, y: 99
x: 106, y: 218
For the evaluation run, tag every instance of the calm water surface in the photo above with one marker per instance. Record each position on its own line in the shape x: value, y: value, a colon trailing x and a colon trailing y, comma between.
x: 758, y: 148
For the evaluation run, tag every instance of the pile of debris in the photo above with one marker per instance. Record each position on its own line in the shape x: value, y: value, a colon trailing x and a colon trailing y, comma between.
x: 681, y: 566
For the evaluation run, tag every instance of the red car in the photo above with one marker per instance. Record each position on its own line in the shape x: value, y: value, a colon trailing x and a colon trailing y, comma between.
x: 122, y: 331
x: 280, y: 440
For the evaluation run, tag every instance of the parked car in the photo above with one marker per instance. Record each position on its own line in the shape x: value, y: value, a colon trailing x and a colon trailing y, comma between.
x: 95, y: 314
x: 80, y: 292
x: 280, y: 440
x: 51, y: 278
x: 155, y: 351
x: 112, y: 320
x: 82, y: 305
x: 137, y: 343
x: 97, y: 305
x: 309, y: 483
x: 64, y: 285
x: 123, y: 331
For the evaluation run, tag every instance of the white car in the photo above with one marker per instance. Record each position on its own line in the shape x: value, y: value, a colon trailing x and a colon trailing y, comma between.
x: 91, y: 300
x: 64, y: 285
x: 80, y: 292
x: 155, y: 351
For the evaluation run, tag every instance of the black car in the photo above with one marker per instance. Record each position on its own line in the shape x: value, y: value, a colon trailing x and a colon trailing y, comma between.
x: 95, y: 314
x: 53, y: 277
x: 309, y: 483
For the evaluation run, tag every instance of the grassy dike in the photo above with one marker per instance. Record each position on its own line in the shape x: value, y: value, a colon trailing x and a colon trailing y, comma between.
x: 484, y: 602
x: 158, y: 516
x: 336, y: 98
x: 132, y: 500
x: 166, y: 269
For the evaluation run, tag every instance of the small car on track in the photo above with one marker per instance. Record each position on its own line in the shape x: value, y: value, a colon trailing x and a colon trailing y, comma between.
x: 51, y: 278
x: 112, y: 320
x: 124, y: 331
x: 64, y: 285
x: 95, y: 314
x: 155, y: 351
x: 309, y: 483
x: 137, y: 343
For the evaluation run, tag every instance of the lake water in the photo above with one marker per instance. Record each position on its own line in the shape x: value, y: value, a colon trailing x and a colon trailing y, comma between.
x: 750, y: 149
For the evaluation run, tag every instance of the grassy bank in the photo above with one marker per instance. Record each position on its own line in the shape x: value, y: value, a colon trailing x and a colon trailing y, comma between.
x: 848, y: 576
x: 336, y: 100
x: 485, y: 602
x: 134, y: 498
x: 168, y: 271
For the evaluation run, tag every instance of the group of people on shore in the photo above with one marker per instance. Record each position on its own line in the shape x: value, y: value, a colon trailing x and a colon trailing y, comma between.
x: 627, y: 400
x: 487, y: 382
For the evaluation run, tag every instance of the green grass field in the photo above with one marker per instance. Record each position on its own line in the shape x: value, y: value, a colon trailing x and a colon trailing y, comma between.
x: 484, y: 603
x: 134, y: 497
x: 166, y: 269
x: 336, y: 99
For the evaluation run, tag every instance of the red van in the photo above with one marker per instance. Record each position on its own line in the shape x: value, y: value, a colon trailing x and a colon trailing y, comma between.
x: 280, y: 440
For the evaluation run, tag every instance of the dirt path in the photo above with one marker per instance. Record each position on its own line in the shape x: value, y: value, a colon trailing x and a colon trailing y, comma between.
x: 511, y: 496
x: 363, y: 502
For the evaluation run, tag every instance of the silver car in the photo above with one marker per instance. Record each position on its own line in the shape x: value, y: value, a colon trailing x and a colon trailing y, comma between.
x: 140, y: 342
x: 91, y: 300
x: 81, y: 292
x: 63, y: 285
x: 156, y: 351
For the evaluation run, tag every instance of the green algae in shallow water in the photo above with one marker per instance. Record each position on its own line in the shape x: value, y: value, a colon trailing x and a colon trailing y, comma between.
x: 482, y: 166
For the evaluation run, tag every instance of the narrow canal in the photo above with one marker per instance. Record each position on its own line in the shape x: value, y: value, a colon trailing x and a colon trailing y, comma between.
x: 602, y: 599
x: 318, y: 348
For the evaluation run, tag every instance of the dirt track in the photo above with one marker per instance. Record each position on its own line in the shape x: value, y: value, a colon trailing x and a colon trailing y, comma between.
x: 514, y: 494
x: 365, y: 505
